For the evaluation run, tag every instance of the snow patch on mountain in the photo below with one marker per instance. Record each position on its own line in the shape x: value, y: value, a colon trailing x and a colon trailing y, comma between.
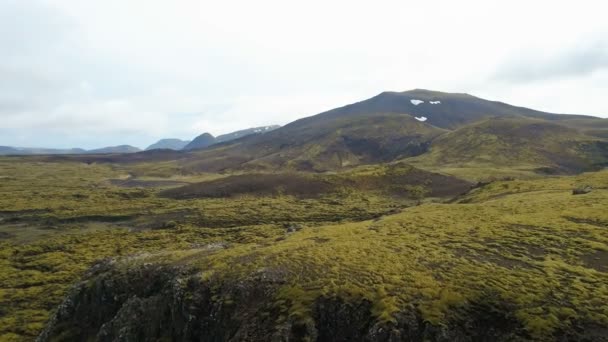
x: 416, y: 102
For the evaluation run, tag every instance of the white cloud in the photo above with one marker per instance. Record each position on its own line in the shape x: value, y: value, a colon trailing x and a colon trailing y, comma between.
x: 584, y: 58
x: 134, y: 71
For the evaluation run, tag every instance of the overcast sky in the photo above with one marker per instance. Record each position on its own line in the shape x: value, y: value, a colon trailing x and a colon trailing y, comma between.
x: 92, y: 73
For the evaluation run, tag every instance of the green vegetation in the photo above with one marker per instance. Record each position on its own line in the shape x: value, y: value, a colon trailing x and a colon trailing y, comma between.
x: 513, y: 147
x: 35, y: 276
x: 60, y: 195
x: 57, y: 219
x: 534, y: 246
x: 524, y: 247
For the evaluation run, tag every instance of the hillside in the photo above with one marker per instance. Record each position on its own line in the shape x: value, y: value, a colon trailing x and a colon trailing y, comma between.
x: 394, y: 126
x: 323, y: 145
x: 517, y: 143
x: 595, y: 127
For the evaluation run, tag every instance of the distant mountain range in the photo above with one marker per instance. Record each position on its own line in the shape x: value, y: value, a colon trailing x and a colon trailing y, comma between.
x: 115, y: 149
x: 7, y: 150
x: 202, y: 141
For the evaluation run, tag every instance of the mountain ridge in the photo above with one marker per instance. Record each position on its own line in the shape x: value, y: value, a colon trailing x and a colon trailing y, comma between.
x: 360, y: 132
x: 168, y: 143
x: 9, y: 150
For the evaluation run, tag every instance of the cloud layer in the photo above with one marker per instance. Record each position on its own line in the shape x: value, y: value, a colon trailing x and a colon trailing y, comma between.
x: 94, y: 73
x: 581, y: 60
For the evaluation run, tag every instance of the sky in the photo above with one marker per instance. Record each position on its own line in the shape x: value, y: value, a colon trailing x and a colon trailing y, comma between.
x: 98, y: 73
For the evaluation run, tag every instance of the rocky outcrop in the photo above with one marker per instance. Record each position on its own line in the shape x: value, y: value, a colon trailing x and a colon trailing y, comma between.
x: 153, y: 302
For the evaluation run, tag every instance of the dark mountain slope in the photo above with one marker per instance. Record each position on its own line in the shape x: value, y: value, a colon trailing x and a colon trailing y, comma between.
x: 324, y: 144
x: 444, y: 110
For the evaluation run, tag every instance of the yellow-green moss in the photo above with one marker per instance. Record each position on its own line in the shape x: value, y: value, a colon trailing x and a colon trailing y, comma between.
x: 530, y: 243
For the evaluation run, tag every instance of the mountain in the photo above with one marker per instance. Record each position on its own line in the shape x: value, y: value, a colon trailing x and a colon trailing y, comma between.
x: 245, y: 132
x: 115, y: 149
x: 322, y: 145
x: 444, y: 110
x: 170, y: 144
x: 205, y: 140
x: 383, y: 128
x: 8, y: 150
x: 202, y: 141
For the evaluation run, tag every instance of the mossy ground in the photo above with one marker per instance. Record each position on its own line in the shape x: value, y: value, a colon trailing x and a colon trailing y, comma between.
x: 58, y: 218
x: 528, y: 244
x: 531, y: 245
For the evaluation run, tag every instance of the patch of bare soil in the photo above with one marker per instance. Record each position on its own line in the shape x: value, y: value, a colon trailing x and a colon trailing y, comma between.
x: 598, y: 260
